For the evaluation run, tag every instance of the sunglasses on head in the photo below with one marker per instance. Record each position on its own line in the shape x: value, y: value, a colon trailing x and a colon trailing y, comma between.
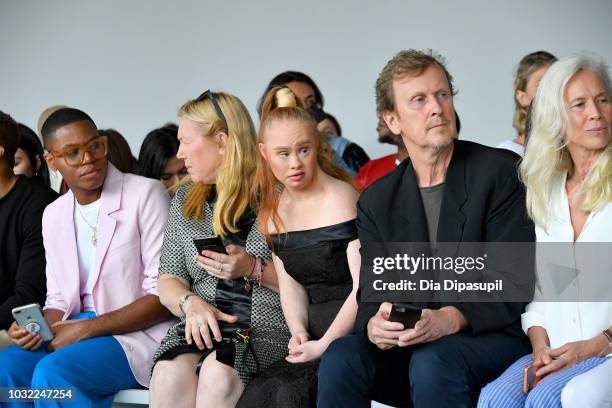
x: 208, y: 94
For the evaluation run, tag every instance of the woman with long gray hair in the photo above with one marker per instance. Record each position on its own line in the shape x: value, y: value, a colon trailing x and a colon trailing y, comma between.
x: 567, y: 170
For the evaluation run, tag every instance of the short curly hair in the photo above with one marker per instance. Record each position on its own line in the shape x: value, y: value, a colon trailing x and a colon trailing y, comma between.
x: 406, y: 62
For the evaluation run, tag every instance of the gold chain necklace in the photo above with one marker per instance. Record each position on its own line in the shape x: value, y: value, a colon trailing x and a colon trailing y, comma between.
x: 94, y: 228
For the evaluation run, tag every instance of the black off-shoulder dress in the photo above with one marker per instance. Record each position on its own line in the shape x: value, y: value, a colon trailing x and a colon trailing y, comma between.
x: 317, y: 259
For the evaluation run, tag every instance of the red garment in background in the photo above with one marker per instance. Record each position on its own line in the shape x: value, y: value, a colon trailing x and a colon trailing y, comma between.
x: 374, y: 169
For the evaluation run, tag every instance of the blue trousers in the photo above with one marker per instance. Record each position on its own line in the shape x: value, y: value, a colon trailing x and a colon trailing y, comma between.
x: 507, y: 390
x: 95, y: 369
x: 448, y: 372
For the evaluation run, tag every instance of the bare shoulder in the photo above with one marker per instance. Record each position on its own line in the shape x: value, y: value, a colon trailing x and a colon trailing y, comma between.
x: 344, y: 191
x: 344, y: 197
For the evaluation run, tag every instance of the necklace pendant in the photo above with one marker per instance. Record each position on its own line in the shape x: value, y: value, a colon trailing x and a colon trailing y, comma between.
x: 94, y: 238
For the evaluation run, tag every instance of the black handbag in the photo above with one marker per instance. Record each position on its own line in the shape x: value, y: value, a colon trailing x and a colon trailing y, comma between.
x: 231, y: 298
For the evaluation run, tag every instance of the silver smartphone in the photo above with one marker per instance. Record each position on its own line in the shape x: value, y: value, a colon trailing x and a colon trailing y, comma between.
x: 31, y: 318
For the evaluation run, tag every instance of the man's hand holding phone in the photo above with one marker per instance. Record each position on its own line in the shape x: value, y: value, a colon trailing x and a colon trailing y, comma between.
x: 382, y: 332
x: 30, y: 328
x: 23, y: 338
x: 433, y: 325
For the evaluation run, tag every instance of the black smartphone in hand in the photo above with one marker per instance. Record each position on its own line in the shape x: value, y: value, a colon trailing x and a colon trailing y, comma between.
x: 405, y: 314
x: 212, y: 243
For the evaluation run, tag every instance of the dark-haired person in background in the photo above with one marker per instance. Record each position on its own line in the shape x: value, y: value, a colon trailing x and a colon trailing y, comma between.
x: 22, y: 255
x: 119, y: 152
x: 157, y: 158
x: 349, y: 155
x: 29, y: 159
x: 300, y: 84
x: 102, y: 243
x: 352, y: 154
x: 55, y: 179
x: 376, y: 168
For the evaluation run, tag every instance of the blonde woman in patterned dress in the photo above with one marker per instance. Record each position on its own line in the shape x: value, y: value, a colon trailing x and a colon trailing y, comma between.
x: 197, y: 364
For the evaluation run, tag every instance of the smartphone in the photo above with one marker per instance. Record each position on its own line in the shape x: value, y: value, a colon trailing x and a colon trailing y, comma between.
x: 212, y: 243
x: 529, y: 378
x: 406, y: 314
x: 30, y: 317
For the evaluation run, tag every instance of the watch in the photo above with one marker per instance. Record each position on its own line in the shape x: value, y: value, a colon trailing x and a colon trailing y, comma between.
x: 183, y: 299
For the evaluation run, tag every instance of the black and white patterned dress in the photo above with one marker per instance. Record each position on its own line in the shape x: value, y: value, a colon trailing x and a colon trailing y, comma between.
x: 270, y: 334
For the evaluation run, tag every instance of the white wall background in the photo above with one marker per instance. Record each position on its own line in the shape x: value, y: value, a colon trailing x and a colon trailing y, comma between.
x: 130, y: 64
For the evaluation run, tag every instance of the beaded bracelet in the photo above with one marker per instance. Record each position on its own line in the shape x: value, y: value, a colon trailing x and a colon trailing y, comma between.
x: 608, y: 334
x: 258, y: 265
x: 247, y: 278
x: 262, y: 266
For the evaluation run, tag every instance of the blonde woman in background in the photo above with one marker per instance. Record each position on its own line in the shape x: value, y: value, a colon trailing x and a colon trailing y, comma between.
x: 530, y: 71
x: 231, y: 325
x: 568, y: 174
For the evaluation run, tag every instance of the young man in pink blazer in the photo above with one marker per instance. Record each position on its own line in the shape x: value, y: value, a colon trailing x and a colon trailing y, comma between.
x: 102, y: 241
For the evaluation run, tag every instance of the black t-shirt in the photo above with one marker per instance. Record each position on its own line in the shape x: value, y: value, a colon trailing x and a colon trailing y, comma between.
x: 22, y: 255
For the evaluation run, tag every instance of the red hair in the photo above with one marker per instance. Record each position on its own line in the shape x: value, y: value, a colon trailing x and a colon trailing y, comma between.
x: 279, y: 105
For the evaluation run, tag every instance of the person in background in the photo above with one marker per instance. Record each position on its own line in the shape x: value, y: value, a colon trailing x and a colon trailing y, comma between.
x: 300, y: 84
x: 376, y: 168
x: 567, y: 170
x: 352, y: 154
x: 311, y: 98
x: 29, y: 160
x: 530, y: 71
x: 157, y: 158
x: 22, y: 255
x: 119, y: 152
x: 329, y: 126
x: 55, y: 179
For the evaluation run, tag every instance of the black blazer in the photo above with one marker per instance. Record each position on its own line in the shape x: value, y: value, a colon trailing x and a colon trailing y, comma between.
x: 483, y: 201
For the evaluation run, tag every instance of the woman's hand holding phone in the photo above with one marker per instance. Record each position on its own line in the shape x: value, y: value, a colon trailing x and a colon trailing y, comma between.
x: 566, y: 356
x: 541, y: 356
x: 237, y: 263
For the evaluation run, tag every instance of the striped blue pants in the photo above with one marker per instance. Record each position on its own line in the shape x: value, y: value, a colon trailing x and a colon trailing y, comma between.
x: 507, y: 390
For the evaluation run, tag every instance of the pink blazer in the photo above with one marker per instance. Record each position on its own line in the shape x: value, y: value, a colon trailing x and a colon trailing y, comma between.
x: 131, y: 224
